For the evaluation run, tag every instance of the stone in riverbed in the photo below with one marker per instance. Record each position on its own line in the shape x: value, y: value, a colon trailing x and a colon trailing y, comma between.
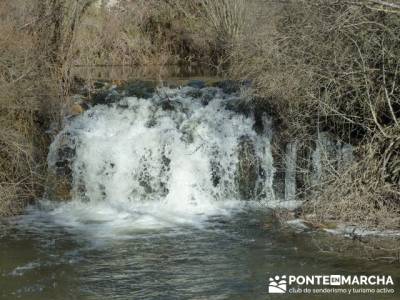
x: 106, y: 97
x: 198, y: 84
x: 231, y: 86
x: 248, y: 166
x: 76, y: 109
x: 62, y: 189
x: 139, y: 88
x: 60, y: 167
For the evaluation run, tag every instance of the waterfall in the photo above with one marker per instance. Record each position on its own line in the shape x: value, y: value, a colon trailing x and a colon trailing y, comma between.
x: 329, y: 155
x: 290, y: 174
x: 179, y: 156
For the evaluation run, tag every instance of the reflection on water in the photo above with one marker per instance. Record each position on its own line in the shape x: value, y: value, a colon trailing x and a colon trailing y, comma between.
x: 229, y: 258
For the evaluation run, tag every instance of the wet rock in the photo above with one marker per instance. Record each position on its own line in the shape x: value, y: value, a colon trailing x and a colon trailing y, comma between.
x: 215, y: 169
x: 60, y: 167
x: 113, y: 97
x: 207, y: 95
x: 248, y: 167
x: 195, y: 93
x: 59, y: 183
x: 145, y: 182
x: 79, y: 105
x: 100, y: 84
x: 99, y: 97
x: 231, y: 86
x: 106, y: 97
x: 76, y: 109
x: 140, y: 89
x: 164, y: 174
x: 167, y: 105
x: 188, y: 131
x: 240, y: 106
x: 64, y: 155
x: 198, y: 84
x: 151, y: 123
x: 228, y: 86
x: 62, y: 187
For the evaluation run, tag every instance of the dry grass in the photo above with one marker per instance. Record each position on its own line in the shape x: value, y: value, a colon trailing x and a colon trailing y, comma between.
x: 335, y: 60
x: 140, y: 33
x: 17, y: 179
x: 163, y: 32
x: 358, y: 195
x: 31, y: 97
x: 334, y: 66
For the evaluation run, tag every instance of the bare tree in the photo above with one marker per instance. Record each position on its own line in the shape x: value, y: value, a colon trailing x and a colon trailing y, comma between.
x: 57, y: 24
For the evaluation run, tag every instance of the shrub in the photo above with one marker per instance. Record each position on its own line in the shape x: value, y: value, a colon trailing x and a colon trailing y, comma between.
x: 334, y: 66
x: 19, y: 140
x: 34, y: 78
x: 140, y: 33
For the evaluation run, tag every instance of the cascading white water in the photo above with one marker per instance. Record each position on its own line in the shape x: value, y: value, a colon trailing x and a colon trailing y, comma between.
x: 175, y: 158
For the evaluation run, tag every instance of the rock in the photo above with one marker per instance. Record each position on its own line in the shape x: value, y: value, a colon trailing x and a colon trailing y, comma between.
x: 248, y: 166
x: 139, y: 88
x: 228, y: 86
x: 215, y: 166
x: 113, y: 97
x: 100, y: 84
x: 62, y: 189
x: 195, y: 93
x: 240, y: 106
x: 106, y: 97
x: 99, y: 97
x: 208, y: 94
x: 60, y: 167
x: 167, y: 105
x: 76, y: 109
x: 199, y: 84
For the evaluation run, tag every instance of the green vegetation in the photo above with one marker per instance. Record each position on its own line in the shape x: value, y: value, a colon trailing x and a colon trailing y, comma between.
x: 315, y: 65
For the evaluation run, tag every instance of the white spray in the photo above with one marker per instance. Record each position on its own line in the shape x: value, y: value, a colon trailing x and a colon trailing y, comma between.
x: 167, y: 160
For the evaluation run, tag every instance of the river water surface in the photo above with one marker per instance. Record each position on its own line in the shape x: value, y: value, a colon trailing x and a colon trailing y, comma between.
x: 228, y: 257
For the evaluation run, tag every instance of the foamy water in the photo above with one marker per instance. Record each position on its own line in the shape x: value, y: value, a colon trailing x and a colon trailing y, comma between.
x: 165, y: 161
